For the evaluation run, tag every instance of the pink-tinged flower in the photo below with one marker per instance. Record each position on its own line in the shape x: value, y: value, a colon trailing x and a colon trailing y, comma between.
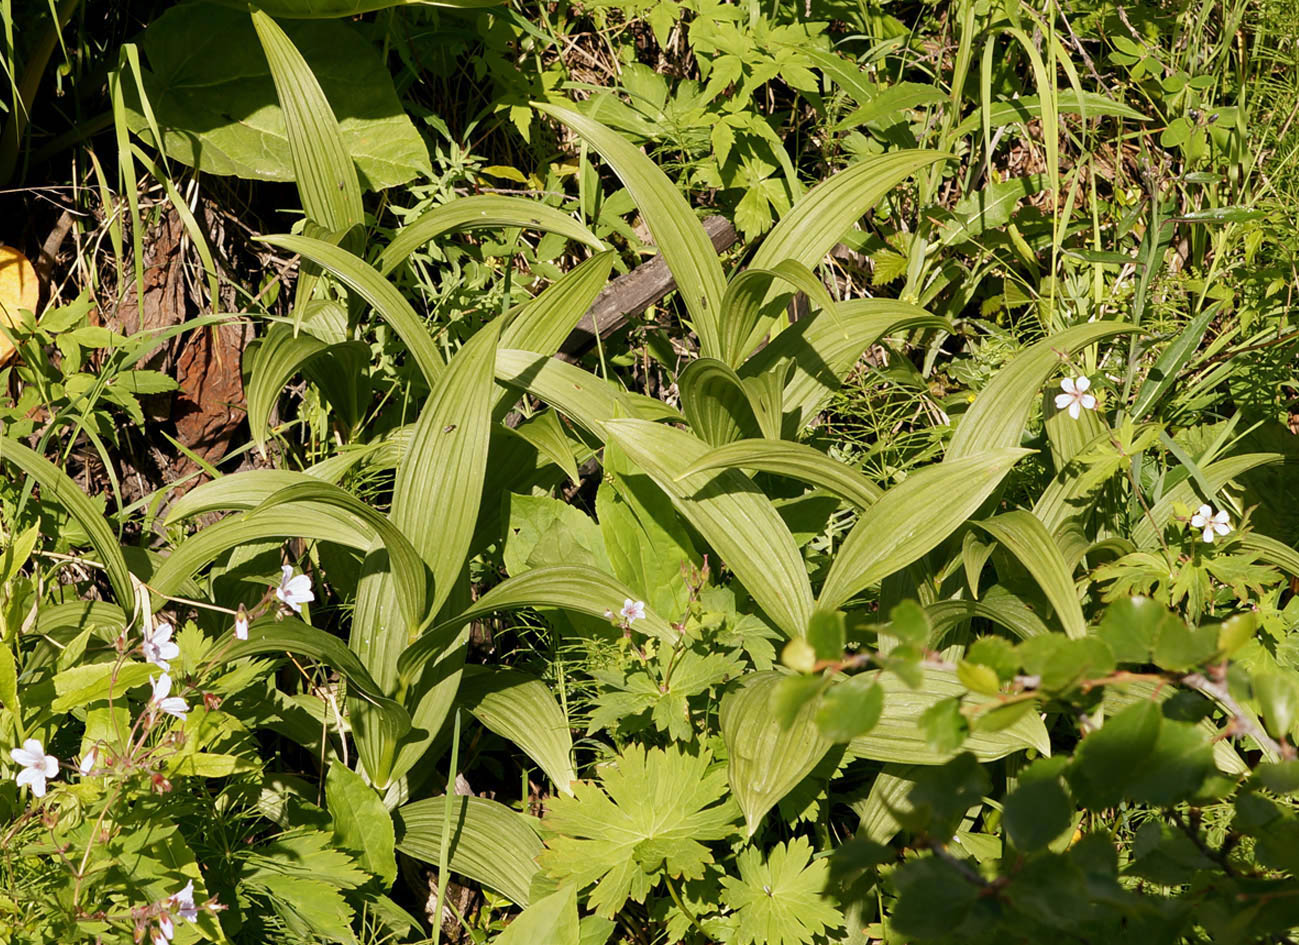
x: 172, y: 705
x: 37, y: 766
x: 241, y: 624
x: 632, y: 610
x: 88, y: 761
x: 1075, y: 396
x: 294, y: 591
x: 158, y: 648
x: 1211, y: 522
x: 183, y: 903
x: 166, y: 929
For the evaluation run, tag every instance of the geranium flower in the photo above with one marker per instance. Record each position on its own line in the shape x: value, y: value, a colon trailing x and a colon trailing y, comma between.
x: 172, y: 705
x: 37, y: 766
x: 1075, y: 396
x: 183, y: 903
x: 241, y: 624
x: 1211, y: 522
x: 158, y: 648
x: 294, y: 591
x: 87, y: 763
x: 632, y: 610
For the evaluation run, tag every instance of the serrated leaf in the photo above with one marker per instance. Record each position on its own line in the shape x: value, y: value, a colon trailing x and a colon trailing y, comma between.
x: 361, y: 823
x: 780, y: 901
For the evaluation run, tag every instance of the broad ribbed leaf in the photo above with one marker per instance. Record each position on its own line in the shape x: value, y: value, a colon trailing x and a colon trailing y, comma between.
x: 1000, y: 411
x: 570, y: 587
x: 742, y: 307
x: 1272, y: 551
x: 487, y: 210
x: 796, y: 460
x: 325, y: 174
x: 376, y: 290
x: 997, y: 605
x: 715, y: 402
x: 824, y: 348
x: 545, y: 432
x: 236, y: 492
x: 817, y: 222
x: 58, y: 488
x: 732, y: 515
x: 280, y: 354
x: 541, y: 324
x: 406, y: 567
x: 898, y: 737
x: 522, y: 709
x: 575, y: 393
x: 911, y: 519
x: 289, y: 635
x: 1020, y: 533
x: 435, y: 499
x: 306, y: 520
x: 677, y: 233
x: 1172, y: 360
x: 766, y: 760
x: 1217, y: 474
x: 490, y: 843
x: 361, y: 823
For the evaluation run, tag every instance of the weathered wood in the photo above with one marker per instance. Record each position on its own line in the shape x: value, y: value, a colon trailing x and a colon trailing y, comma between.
x: 633, y: 293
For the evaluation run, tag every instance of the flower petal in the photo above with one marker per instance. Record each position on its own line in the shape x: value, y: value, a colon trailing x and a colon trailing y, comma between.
x: 1088, y: 401
x: 1081, y: 383
x: 1063, y: 400
x: 51, y: 766
x: 1066, y: 385
x: 1074, y: 410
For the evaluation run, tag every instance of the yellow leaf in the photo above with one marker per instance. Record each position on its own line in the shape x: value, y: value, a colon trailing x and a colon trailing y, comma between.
x: 19, y: 289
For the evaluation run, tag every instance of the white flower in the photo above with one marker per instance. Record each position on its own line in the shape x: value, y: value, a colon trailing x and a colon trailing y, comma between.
x: 158, y: 648
x: 1211, y: 522
x: 87, y: 763
x: 241, y: 625
x: 37, y: 766
x: 632, y: 610
x: 294, y: 591
x: 172, y: 705
x: 165, y: 930
x: 1075, y: 396
x: 183, y: 903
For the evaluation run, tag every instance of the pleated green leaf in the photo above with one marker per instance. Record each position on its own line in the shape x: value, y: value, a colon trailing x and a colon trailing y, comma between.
x: 58, y: 488
x: 1024, y: 536
x: 1000, y: 411
x: 817, y: 222
x: 677, y: 233
x: 899, y: 738
x: 541, y: 324
x: 552, y: 920
x: 824, y: 348
x: 569, y: 587
x: 522, y: 709
x: 325, y: 175
x: 795, y: 460
x: 742, y: 308
x: 997, y: 605
x: 334, y: 9
x: 486, y: 210
x: 766, y: 760
x: 377, y: 291
x: 577, y: 394
x: 732, y: 515
x: 715, y: 402
x: 290, y: 635
x: 490, y: 843
x: 911, y: 519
